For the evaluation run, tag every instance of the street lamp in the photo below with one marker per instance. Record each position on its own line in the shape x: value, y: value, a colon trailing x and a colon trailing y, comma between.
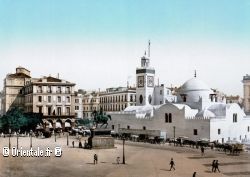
x: 55, y: 135
x: 31, y: 138
x: 174, y: 135
x: 67, y: 138
x: 123, y: 155
x: 17, y: 139
x: 9, y: 138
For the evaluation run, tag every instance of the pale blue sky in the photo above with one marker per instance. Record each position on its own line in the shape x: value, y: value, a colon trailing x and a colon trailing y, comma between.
x: 102, y: 40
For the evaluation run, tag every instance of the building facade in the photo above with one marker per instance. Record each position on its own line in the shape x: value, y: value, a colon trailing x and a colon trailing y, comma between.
x: 91, y: 101
x: 12, y: 91
x: 1, y: 108
x: 196, y: 112
x: 117, y: 99
x: 54, y: 98
x: 246, y: 93
x: 78, y: 105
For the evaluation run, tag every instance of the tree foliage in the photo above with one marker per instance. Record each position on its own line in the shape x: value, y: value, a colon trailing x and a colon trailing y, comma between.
x: 15, y: 119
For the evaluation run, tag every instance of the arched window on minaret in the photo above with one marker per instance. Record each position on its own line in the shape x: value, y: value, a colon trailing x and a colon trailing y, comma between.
x: 141, y: 99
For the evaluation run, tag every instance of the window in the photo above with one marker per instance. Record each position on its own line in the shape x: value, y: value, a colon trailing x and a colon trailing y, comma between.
x: 76, y: 100
x: 68, y: 110
x: 40, y: 109
x: 168, y: 118
x: 67, y: 89
x: 128, y: 127
x: 141, y: 99
x: 144, y: 128
x: 195, y: 132
x: 59, y: 99
x: 113, y: 127
x: 248, y: 129
x: 160, y: 92
x: 76, y: 107
x: 59, y: 111
x: 184, y: 97
x: 49, y: 110
x: 160, y: 102
x: 39, y: 98
x: 131, y: 98
x: 59, y: 90
x: 68, y: 99
x: 218, y: 131
x: 39, y: 89
x: 49, y: 99
x: 235, y: 117
x: 49, y: 89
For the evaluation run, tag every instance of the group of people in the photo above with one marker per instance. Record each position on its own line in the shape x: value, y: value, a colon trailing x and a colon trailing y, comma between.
x: 215, y: 166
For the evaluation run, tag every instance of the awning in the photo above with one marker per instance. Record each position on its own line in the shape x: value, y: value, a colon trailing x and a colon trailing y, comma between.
x: 50, y: 125
x: 58, y: 125
x: 67, y: 124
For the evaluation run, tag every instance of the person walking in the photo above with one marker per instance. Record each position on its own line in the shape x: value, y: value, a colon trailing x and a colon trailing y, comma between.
x: 194, y: 174
x: 118, y: 160
x: 95, y: 159
x: 213, y: 165
x: 216, y: 166
x: 73, y: 144
x: 172, y: 164
x: 202, y: 151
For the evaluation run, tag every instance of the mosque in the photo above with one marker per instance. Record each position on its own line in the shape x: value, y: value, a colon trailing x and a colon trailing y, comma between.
x: 195, y: 112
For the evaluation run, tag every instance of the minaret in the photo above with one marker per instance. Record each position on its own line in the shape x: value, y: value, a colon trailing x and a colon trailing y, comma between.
x: 145, y: 76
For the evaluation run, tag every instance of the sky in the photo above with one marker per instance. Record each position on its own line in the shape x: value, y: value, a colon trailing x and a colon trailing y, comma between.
x: 98, y: 43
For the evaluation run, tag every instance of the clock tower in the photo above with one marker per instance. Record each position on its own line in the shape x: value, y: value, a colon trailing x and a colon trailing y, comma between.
x: 145, y: 76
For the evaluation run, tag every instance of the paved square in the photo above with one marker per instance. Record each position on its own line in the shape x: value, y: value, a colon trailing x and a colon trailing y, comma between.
x: 142, y: 160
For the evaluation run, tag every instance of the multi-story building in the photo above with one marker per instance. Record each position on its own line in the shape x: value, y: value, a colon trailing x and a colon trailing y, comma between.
x: 78, y: 105
x: 54, y: 98
x: 246, y: 93
x: 91, y: 101
x: 163, y: 95
x: 12, y: 91
x: 1, y: 109
x: 117, y: 99
x: 234, y: 99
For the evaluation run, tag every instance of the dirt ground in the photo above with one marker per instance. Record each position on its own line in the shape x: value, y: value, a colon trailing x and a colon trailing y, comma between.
x: 142, y: 160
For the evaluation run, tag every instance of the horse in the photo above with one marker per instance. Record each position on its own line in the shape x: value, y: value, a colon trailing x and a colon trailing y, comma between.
x: 101, y: 118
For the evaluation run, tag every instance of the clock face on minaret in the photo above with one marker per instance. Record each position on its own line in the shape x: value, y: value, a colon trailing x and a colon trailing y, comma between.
x: 140, y: 81
x: 150, y: 80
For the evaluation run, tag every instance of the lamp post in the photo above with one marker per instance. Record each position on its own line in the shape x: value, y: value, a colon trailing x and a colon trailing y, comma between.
x: 31, y: 138
x: 123, y: 151
x: 17, y: 140
x: 174, y: 135
x: 55, y: 136
x: 9, y: 138
x: 67, y: 138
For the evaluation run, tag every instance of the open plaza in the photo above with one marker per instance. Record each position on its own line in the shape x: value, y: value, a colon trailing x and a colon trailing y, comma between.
x: 141, y: 160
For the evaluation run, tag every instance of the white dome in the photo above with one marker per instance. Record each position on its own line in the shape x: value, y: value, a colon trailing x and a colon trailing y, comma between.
x: 194, y: 84
x: 193, y: 90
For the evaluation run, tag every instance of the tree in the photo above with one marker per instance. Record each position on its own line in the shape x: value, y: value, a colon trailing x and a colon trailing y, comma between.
x: 15, y: 119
